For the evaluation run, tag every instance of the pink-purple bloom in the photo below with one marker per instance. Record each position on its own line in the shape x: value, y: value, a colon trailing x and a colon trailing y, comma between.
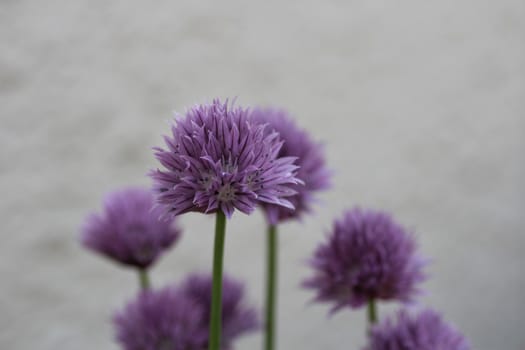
x: 368, y: 256
x: 217, y: 158
x: 237, y: 318
x: 160, y: 320
x: 310, y: 159
x: 425, y: 330
x: 177, y: 318
x: 128, y: 229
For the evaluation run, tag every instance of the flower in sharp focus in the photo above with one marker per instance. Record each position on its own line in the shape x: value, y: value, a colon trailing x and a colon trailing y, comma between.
x: 217, y: 158
x: 237, y: 318
x: 425, y: 330
x: 310, y: 159
x: 368, y: 256
x: 176, y: 318
x: 128, y: 229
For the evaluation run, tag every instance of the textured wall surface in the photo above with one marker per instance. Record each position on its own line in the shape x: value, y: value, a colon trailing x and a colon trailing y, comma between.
x: 421, y: 106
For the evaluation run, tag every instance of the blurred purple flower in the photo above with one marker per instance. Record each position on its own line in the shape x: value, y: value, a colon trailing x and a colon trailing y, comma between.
x: 426, y: 330
x: 129, y: 230
x: 236, y: 317
x: 178, y: 318
x: 158, y: 320
x: 368, y: 256
x: 219, y: 159
x: 310, y: 159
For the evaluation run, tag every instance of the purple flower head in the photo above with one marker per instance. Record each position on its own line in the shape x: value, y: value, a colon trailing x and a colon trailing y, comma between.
x: 367, y: 256
x: 310, y: 159
x: 158, y: 320
x: 178, y: 318
x: 129, y: 230
x: 236, y: 317
x: 426, y: 330
x: 219, y: 159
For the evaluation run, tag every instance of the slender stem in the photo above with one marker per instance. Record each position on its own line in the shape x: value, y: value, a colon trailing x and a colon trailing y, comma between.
x: 216, y: 296
x: 271, y: 287
x: 144, y: 278
x: 372, y: 311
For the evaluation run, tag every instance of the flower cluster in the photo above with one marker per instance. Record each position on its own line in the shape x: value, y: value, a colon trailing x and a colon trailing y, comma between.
x: 219, y: 159
x: 310, y: 159
x: 128, y: 230
x: 425, y: 330
x: 368, y: 256
x: 178, y: 317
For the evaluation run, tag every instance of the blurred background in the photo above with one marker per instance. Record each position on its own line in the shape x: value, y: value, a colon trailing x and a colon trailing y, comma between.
x: 420, y: 106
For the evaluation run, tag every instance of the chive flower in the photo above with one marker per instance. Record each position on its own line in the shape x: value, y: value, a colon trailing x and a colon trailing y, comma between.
x: 160, y: 320
x: 368, y: 256
x: 128, y: 229
x: 237, y: 318
x: 425, y: 330
x: 217, y: 158
x: 178, y: 317
x: 310, y: 159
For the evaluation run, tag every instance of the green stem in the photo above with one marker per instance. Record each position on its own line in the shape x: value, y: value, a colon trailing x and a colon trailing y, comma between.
x: 216, y: 296
x: 372, y: 311
x: 144, y: 279
x: 271, y: 287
